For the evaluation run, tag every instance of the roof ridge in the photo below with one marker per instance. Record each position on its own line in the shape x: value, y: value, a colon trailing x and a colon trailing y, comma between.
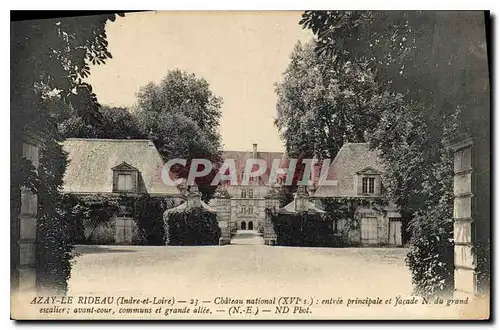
x: 108, y: 140
x: 258, y: 151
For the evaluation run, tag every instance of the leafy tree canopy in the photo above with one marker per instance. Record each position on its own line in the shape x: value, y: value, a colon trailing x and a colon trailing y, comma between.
x: 181, y: 115
x: 417, y: 53
x: 322, y: 105
x: 180, y: 96
x: 54, y: 55
x: 437, y: 64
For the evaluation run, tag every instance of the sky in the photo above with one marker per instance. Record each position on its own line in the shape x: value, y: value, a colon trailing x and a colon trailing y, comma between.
x: 240, y: 54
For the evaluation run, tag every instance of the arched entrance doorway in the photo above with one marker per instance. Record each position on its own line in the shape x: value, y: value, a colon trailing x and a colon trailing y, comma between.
x: 244, y: 225
x: 250, y: 225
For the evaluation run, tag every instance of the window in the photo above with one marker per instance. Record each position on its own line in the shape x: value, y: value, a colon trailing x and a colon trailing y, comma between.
x: 250, y: 193
x: 371, y: 185
x: 125, y: 182
x: 250, y: 209
x: 243, y: 193
x: 125, y: 178
x: 368, y: 185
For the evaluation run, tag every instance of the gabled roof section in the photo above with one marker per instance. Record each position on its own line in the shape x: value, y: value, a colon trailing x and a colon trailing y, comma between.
x: 91, y: 164
x: 369, y: 171
x: 352, y: 158
x: 124, y: 167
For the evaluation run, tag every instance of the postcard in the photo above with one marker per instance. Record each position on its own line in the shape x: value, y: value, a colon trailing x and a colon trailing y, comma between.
x: 251, y: 165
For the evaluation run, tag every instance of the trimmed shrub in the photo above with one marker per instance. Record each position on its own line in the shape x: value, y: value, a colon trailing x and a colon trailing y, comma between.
x: 193, y: 227
x: 302, y: 229
x: 148, y: 214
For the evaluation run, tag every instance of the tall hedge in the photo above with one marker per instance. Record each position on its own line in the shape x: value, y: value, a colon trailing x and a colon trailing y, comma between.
x: 148, y: 214
x: 195, y: 226
x: 54, y: 238
x: 431, y: 257
x: 303, y: 229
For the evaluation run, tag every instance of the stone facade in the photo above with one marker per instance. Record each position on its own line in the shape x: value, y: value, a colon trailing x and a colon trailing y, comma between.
x: 358, y: 172
x: 95, y: 167
x: 243, y: 213
x: 223, y: 207
x: 247, y: 206
x: 243, y: 207
x: 230, y: 217
x: 464, y: 224
x: 270, y: 237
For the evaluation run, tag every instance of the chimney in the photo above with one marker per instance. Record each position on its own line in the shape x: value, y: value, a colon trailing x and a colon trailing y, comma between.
x: 255, y: 151
x: 193, y: 197
x: 301, y: 199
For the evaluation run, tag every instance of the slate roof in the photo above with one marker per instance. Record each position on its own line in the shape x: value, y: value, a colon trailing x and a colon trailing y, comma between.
x: 91, y: 162
x: 241, y: 157
x: 351, y: 158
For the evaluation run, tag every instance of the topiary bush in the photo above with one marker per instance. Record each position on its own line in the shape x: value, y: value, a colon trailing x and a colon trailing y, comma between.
x: 195, y: 226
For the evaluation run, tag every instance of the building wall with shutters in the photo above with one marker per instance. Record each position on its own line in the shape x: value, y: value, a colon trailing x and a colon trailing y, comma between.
x: 374, y: 228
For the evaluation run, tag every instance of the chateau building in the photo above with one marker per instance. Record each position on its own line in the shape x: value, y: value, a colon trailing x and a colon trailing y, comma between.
x: 134, y: 167
x: 248, y: 202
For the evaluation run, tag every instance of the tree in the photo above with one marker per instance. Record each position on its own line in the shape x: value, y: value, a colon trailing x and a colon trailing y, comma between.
x: 321, y: 106
x: 50, y: 57
x: 115, y: 123
x: 181, y: 92
x: 181, y: 115
x: 55, y: 55
x: 415, y: 53
x: 437, y: 61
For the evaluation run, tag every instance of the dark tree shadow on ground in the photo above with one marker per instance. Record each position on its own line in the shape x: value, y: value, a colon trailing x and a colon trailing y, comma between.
x: 91, y: 249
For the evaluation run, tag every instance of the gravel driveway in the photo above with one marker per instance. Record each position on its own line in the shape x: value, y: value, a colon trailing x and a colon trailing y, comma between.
x: 247, y: 268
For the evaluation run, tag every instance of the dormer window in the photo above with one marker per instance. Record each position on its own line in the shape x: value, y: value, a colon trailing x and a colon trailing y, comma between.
x: 368, y: 182
x: 125, y: 178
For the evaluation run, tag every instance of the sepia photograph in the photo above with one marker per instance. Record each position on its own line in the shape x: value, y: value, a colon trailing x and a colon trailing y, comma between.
x: 250, y: 165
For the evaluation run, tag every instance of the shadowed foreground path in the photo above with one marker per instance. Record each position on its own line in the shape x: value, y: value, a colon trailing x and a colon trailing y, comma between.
x: 249, y: 269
